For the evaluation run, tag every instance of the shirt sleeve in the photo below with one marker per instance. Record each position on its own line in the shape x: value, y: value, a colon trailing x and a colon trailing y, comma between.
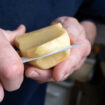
x: 92, y: 10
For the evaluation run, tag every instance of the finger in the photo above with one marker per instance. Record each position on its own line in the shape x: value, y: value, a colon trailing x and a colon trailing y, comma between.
x: 11, y: 66
x: 1, y: 92
x: 61, y: 19
x: 39, y: 75
x: 80, y: 64
x: 11, y: 35
x: 64, y: 69
x: 72, y: 26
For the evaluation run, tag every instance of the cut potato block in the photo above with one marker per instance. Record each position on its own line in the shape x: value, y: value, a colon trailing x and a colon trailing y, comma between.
x: 44, y: 41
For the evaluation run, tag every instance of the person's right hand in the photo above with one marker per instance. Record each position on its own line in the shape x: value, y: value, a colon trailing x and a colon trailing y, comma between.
x: 11, y: 66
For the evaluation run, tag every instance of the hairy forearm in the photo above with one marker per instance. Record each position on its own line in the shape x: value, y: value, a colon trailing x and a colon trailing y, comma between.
x: 90, y: 29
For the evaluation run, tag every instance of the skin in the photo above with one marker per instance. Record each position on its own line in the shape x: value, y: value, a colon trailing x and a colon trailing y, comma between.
x: 12, y: 68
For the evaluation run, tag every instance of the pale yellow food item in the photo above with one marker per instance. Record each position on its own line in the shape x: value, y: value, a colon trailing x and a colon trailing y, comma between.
x: 44, y: 41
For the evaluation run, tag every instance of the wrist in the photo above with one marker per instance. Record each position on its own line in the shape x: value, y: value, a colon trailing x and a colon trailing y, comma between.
x: 90, y: 30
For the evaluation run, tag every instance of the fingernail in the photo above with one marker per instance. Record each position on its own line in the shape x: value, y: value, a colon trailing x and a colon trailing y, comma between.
x: 63, y: 76
x: 33, y: 74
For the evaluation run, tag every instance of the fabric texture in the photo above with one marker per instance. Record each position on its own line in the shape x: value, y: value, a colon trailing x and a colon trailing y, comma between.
x: 35, y: 14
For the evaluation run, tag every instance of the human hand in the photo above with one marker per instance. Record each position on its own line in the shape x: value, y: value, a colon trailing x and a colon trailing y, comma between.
x: 11, y: 66
x: 78, y: 55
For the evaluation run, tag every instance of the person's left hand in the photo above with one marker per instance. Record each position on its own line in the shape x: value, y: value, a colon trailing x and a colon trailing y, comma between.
x: 78, y: 55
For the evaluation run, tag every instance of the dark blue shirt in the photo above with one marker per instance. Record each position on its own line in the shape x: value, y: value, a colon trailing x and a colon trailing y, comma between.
x: 35, y: 14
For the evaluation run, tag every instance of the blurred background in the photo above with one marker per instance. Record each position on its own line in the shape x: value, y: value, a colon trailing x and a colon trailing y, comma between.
x: 85, y: 86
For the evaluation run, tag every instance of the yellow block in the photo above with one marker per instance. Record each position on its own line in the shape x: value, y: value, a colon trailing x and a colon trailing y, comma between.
x: 44, y: 41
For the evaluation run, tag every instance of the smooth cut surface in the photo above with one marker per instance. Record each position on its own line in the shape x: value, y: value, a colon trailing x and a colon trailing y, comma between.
x: 44, y: 41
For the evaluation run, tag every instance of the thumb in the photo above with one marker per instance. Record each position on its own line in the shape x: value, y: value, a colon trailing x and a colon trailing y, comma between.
x: 11, y: 35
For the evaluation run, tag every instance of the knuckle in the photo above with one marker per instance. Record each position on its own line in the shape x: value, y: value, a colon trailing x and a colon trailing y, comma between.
x: 62, y: 18
x: 71, y: 19
x: 13, y: 71
x: 66, y: 19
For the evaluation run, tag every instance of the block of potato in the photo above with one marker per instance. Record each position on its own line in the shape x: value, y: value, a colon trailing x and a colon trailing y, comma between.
x: 44, y: 41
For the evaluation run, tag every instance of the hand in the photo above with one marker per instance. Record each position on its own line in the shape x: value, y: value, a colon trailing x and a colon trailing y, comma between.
x: 78, y: 55
x: 11, y: 66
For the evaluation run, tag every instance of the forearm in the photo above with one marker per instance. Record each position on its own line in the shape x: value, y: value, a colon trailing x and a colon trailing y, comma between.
x: 90, y: 29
